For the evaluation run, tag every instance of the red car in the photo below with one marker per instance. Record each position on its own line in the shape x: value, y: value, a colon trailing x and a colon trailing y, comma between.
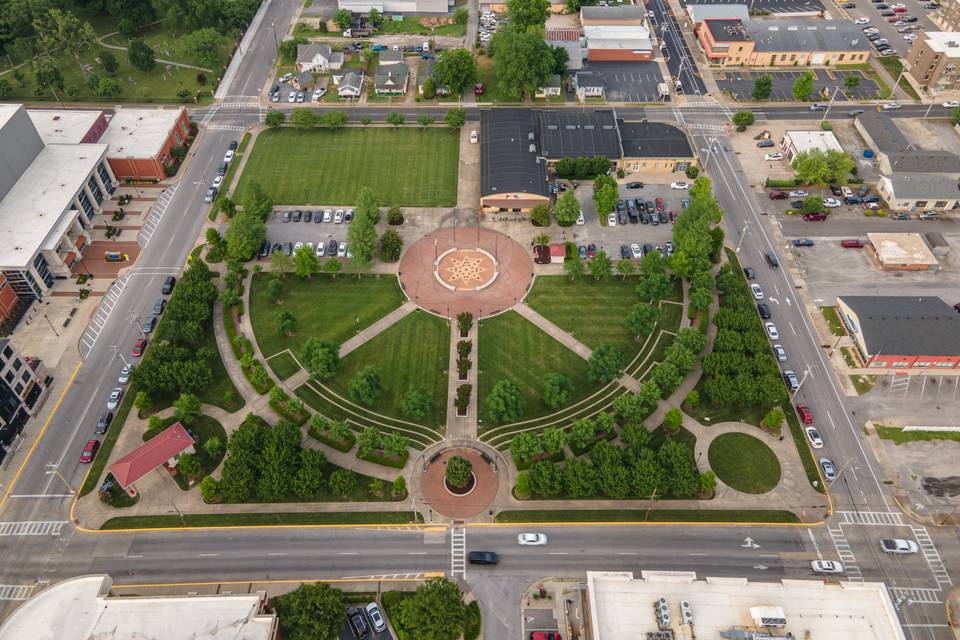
x: 814, y: 217
x: 673, y: 217
x: 139, y: 347
x: 659, y: 204
x: 544, y: 635
x: 90, y: 451
x: 805, y: 414
x: 779, y: 195
x: 478, y: 89
x: 851, y: 244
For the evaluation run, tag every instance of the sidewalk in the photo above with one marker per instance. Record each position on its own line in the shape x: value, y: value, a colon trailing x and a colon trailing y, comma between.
x: 554, y: 331
x: 462, y: 427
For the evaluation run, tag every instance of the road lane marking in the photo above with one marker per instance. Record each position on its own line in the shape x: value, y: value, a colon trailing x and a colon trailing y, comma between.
x: 559, y: 553
x: 416, y: 553
x: 813, y: 541
x: 349, y: 553
x: 208, y: 555
x: 277, y: 553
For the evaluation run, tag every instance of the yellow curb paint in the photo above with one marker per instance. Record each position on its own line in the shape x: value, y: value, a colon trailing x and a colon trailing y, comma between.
x: 165, y: 585
x: 252, y: 526
x: 666, y: 523
x: 43, y: 430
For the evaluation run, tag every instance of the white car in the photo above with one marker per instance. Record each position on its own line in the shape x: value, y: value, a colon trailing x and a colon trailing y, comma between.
x: 909, y: 37
x: 772, y: 330
x: 814, y: 436
x: 114, y: 398
x: 951, y: 104
x: 862, y: 21
x: 228, y: 156
x: 309, y: 246
x: 612, y: 220
x: 756, y: 291
x: 781, y: 354
x: 327, y: 215
x: 898, y: 545
x: 292, y: 97
x: 297, y: 246
x: 636, y: 251
x: 285, y: 77
x: 342, y: 250
x: 831, y: 203
x: 581, y: 219
x: 321, y: 249
x: 679, y: 185
x: 799, y: 193
x: 125, y: 374
x: 773, y: 156
x: 890, y: 106
x: 826, y: 566
x: 532, y: 539
x: 379, y: 624
x: 474, y: 137
x: 338, y: 216
x: 319, y: 93
x: 217, y: 181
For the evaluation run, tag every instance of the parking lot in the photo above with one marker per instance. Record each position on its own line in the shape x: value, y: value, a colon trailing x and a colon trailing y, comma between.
x: 346, y: 634
x: 279, y: 232
x: 628, y: 81
x: 739, y: 83
x: 790, y: 7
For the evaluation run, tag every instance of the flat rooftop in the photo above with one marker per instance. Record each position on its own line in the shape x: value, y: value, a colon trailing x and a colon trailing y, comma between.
x: 727, y: 30
x: 905, y: 325
x: 508, y: 153
x: 809, y: 140
x: 83, y: 608
x: 806, y: 34
x: 653, y: 140
x: 139, y: 133
x: 32, y: 209
x: 902, y: 248
x: 60, y: 126
x: 622, y: 606
x: 7, y: 111
x: 572, y: 134
x: 945, y: 42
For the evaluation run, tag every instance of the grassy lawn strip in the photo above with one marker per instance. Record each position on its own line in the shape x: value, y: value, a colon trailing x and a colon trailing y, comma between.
x: 899, y: 436
x: 232, y: 337
x: 803, y: 447
x: 830, y: 315
x: 257, y: 519
x: 324, y: 307
x: 744, y: 463
x: 106, y: 445
x: 412, y: 353
x: 894, y: 66
x: 512, y: 347
x: 643, y: 515
x: 592, y: 312
x: 412, y: 24
x: 215, y: 393
x: 406, y: 166
x: 283, y: 364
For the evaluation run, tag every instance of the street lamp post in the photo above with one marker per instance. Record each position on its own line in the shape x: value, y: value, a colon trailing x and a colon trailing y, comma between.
x: 52, y: 328
x: 830, y: 104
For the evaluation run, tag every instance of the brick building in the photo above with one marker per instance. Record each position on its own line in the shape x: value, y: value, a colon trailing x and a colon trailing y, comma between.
x: 781, y: 43
x: 140, y: 141
x: 933, y: 62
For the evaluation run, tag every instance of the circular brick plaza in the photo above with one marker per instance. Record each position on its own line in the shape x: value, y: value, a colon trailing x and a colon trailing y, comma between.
x: 445, y: 502
x: 467, y: 269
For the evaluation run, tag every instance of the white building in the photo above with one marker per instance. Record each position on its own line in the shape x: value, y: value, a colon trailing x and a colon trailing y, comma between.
x: 920, y: 191
x: 395, y: 6
x: 85, y: 608
x: 795, y: 142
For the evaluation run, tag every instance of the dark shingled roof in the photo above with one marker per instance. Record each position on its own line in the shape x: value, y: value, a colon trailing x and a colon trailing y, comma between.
x: 572, y: 134
x: 882, y: 130
x: 653, y: 140
x: 507, y: 165
x: 906, y: 325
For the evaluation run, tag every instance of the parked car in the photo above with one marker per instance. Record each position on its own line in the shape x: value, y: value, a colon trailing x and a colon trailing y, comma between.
x: 679, y: 185
x: 591, y: 250
x: 827, y: 567
x: 951, y: 104
x: 483, y: 557
x: 814, y: 437
x: 771, y: 330
x: 803, y: 242
x: 756, y: 291
x: 765, y: 144
x: 327, y: 215
x: 793, y: 382
x: 829, y: 471
x: 332, y: 248
x: 297, y: 215
x: 798, y: 193
x: 474, y: 137
x: 831, y: 203
x: 168, y: 284
x: 763, y: 310
x: 634, y: 185
x: 814, y: 217
x: 773, y: 156
x: 625, y: 252
x: 139, y: 346
x: 338, y: 216
x: 89, y: 451
x: 159, y: 306
x: 307, y: 216
x: 580, y: 219
x: 150, y: 324
x: 780, y: 353
x: 582, y: 252
x: 124, y: 376
x: 114, y: 399
x: 778, y: 195
x: 898, y: 545
x: 636, y: 251
x: 532, y: 539
x: 376, y: 618
x: 357, y: 623
x: 612, y: 220
x: 342, y: 250
x: 285, y: 216
x: 851, y: 244
x: 103, y: 423
x: 210, y: 195
x: 806, y: 416
x: 348, y: 216
x: 748, y: 272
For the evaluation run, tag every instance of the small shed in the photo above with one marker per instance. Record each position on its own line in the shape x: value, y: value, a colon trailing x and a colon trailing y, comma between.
x: 557, y: 253
x: 938, y: 244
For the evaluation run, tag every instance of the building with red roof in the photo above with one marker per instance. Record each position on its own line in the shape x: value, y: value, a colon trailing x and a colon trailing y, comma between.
x: 165, y: 448
x: 557, y: 253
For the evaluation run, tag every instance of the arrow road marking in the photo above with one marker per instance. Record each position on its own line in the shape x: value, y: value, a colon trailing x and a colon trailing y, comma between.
x: 748, y: 543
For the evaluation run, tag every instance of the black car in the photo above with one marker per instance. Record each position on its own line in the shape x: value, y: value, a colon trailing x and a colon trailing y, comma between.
x: 772, y: 260
x: 159, y: 306
x: 297, y: 215
x: 747, y: 271
x: 848, y: 5
x: 318, y: 217
x: 288, y: 249
x: 332, y: 248
x: 307, y: 216
x: 622, y: 217
x: 222, y: 169
x: 796, y: 204
x: 264, y: 249
x: 103, y: 423
x: 150, y: 324
x: 910, y: 19
x: 651, y: 206
x: 654, y: 218
x: 764, y: 311
x: 640, y: 205
x: 647, y: 248
x: 233, y: 143
x: 168, y: 284
x: 634, y: 185
x: 275, y: 248
x: 625, y: 252
x: 835, y: 190
x: 765, y: 144
x: 482, y: 557
x: 634, y: 217
x: 664, y: 218
x: 348, y: 217
x: 357, y: 623
x: 645, y: 218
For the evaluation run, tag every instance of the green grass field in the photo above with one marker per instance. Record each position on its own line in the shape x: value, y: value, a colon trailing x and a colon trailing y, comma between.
x: 744, y: 463
x: 412, y: 353
x: 512, y: 347
x: 406, y: 166
x: 644, y: 515
x: 283, y: 365
x: 324, y: 307
x: 592, y: 312
x: 899, y: 436
x: 257, y: 519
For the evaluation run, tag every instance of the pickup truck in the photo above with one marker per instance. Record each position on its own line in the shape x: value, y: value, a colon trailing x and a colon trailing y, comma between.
x: 898, y: 545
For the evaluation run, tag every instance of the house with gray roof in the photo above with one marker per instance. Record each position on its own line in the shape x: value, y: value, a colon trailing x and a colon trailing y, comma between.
x: 391, y: 79
x: 391, y: 56
x: 349, y: 85
x: 896, y: 154
x: 920, y: 191
x: 552, y: 88
x: 426, y: 71
x: 318, y: 57
x: 588, y: 85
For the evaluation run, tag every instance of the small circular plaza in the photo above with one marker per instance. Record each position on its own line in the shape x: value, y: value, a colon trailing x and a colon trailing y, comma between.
x: 464, y: 502
x: 466, y: 269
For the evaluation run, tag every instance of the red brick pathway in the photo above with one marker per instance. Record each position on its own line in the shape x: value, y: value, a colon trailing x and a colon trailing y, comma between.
x: 94, y: 264
x: 514, y: 273
x: 444, y: 502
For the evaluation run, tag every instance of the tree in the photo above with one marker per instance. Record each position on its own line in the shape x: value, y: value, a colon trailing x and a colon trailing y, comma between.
x: 541, y: 240
x: 600, y: 266
x: 774, y: 419
x: 286, y: 323
x: 334, y: 120
x: 395, y: 215
x: 456, y: 70
x: 320, y: 357
x: 700, y: 299
x: 391, y: 245
x: 812, y: 204
x: 523, y: 60
x: 142, y: 401
x: 546, y: 479
x: 742, y: 119
x: 852, y: 81
x: 605, y: 364
x: 399, y: 486
x: 803, y: 86
x: 184, y: 94
x: 209, y: 489
x: 416, y: 403
x: 707, y: 482
x: 567, y: 209
x: 305, y: 261
x: 429, y: 88
x: 556, y: 390
x: 455, y: 118
x: 581, y: 434
x: 762, y: 87
x: 525, y: 446
x: 275, y: 289
x: 188, y: 465
x: 629, y: 408
x: 365, y: 120
x: 653, y: 286
x: 375, y: 17
x: 141, y: 55
x: 553, y: 440
x: 605, y: 194
x: 203, y: 45
x: 540, y: 216
x: 425, y: 120
x: 460, y: 15
x: 256, y: 201
x: 672, y: 420
x: 186, y: 408
x: 649, y: 393
x: 955, y: 117
x: 63, y: 30
x: 108, y: 88
x: 343, y: 19
x: 395, y: 119
x: 561, y: 59
x: 643, y: 318
x: 362, y: 234
x: 304, y: 118
x: 434, y: 612
x: 244, y: 236
x: 368, y: 441
x: 626, y: 267
x: 574, y: 267
x: 365, y: 387
x: 275, y: 119
x: 504, y: 402
x: 213, y: 448
x: 458, y: 472
x: 332, y: 266
x: 817, y: 166
x: 109, y: 61
x: 342, y: 483
x: 6, y: 89
x: 667, y: 376
x: 527, y: 15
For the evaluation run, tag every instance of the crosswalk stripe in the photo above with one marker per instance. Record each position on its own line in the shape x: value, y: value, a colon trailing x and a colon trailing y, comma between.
x: 845, y: 553
x: 932, y: 556
x: 458, y: 552
x: 32, y: 528
x: 15, y: 591
x: 918, y: 594
x: 871, y: 518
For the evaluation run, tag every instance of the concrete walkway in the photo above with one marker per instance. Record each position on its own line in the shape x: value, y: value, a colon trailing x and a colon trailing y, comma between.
x: 462, y: 427
x: 554, y: 331
x: 377, y: 327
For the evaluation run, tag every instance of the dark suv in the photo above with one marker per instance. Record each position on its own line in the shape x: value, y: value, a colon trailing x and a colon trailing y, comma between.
x: 482, y: 557
x: 764, y: 311
x: 168, y: 284
x: 159, y: 306
x: 103, y: 423
x: 357, y: 623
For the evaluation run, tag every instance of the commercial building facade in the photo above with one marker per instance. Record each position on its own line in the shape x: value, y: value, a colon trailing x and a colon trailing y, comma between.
x: 654, y: 147
x: 948, y: 16
x: 513, y: 173
x: 794, y: 43
x: 796, y: 142
x: 617, y: 33
x: 395, y: 6
x: 23, y: 388
x: 933, y: 62
x: 920, y: 191
x: 141, y: 140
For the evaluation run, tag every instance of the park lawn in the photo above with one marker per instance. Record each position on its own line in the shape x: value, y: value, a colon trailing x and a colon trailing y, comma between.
x: 415, y: 352
x: 744, y: 463
x: 404, y: 166
x: 283, y: 365
x: 167, y: 44
x: 216, y: 391
x: 647, y: 515
x: 411, y: 24
x: 512, y: 347
x: 894, y: 67
x: 830, y: 315
x: 325, y: 307
x: 258, y: 519
x: 899, y: 436
x: 592, y: 312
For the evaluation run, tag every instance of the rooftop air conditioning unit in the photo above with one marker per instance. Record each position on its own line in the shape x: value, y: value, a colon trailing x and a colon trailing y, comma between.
x: 686, y: 612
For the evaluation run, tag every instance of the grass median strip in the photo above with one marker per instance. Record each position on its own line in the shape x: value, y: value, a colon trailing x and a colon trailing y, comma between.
x: 257, y: 519
x: 652, y: 515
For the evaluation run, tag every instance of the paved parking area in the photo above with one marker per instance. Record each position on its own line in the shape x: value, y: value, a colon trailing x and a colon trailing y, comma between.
x: 284, y: 232
x: 772, y: 6
x: 346, y: 634
x: 739, y: 83
x: 628, y: 81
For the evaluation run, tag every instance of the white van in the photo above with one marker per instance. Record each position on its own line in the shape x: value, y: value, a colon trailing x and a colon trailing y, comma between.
x: 426, y: 47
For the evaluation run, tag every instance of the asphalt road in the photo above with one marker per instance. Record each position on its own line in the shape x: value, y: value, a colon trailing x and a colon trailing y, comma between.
x: 679, y: 58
